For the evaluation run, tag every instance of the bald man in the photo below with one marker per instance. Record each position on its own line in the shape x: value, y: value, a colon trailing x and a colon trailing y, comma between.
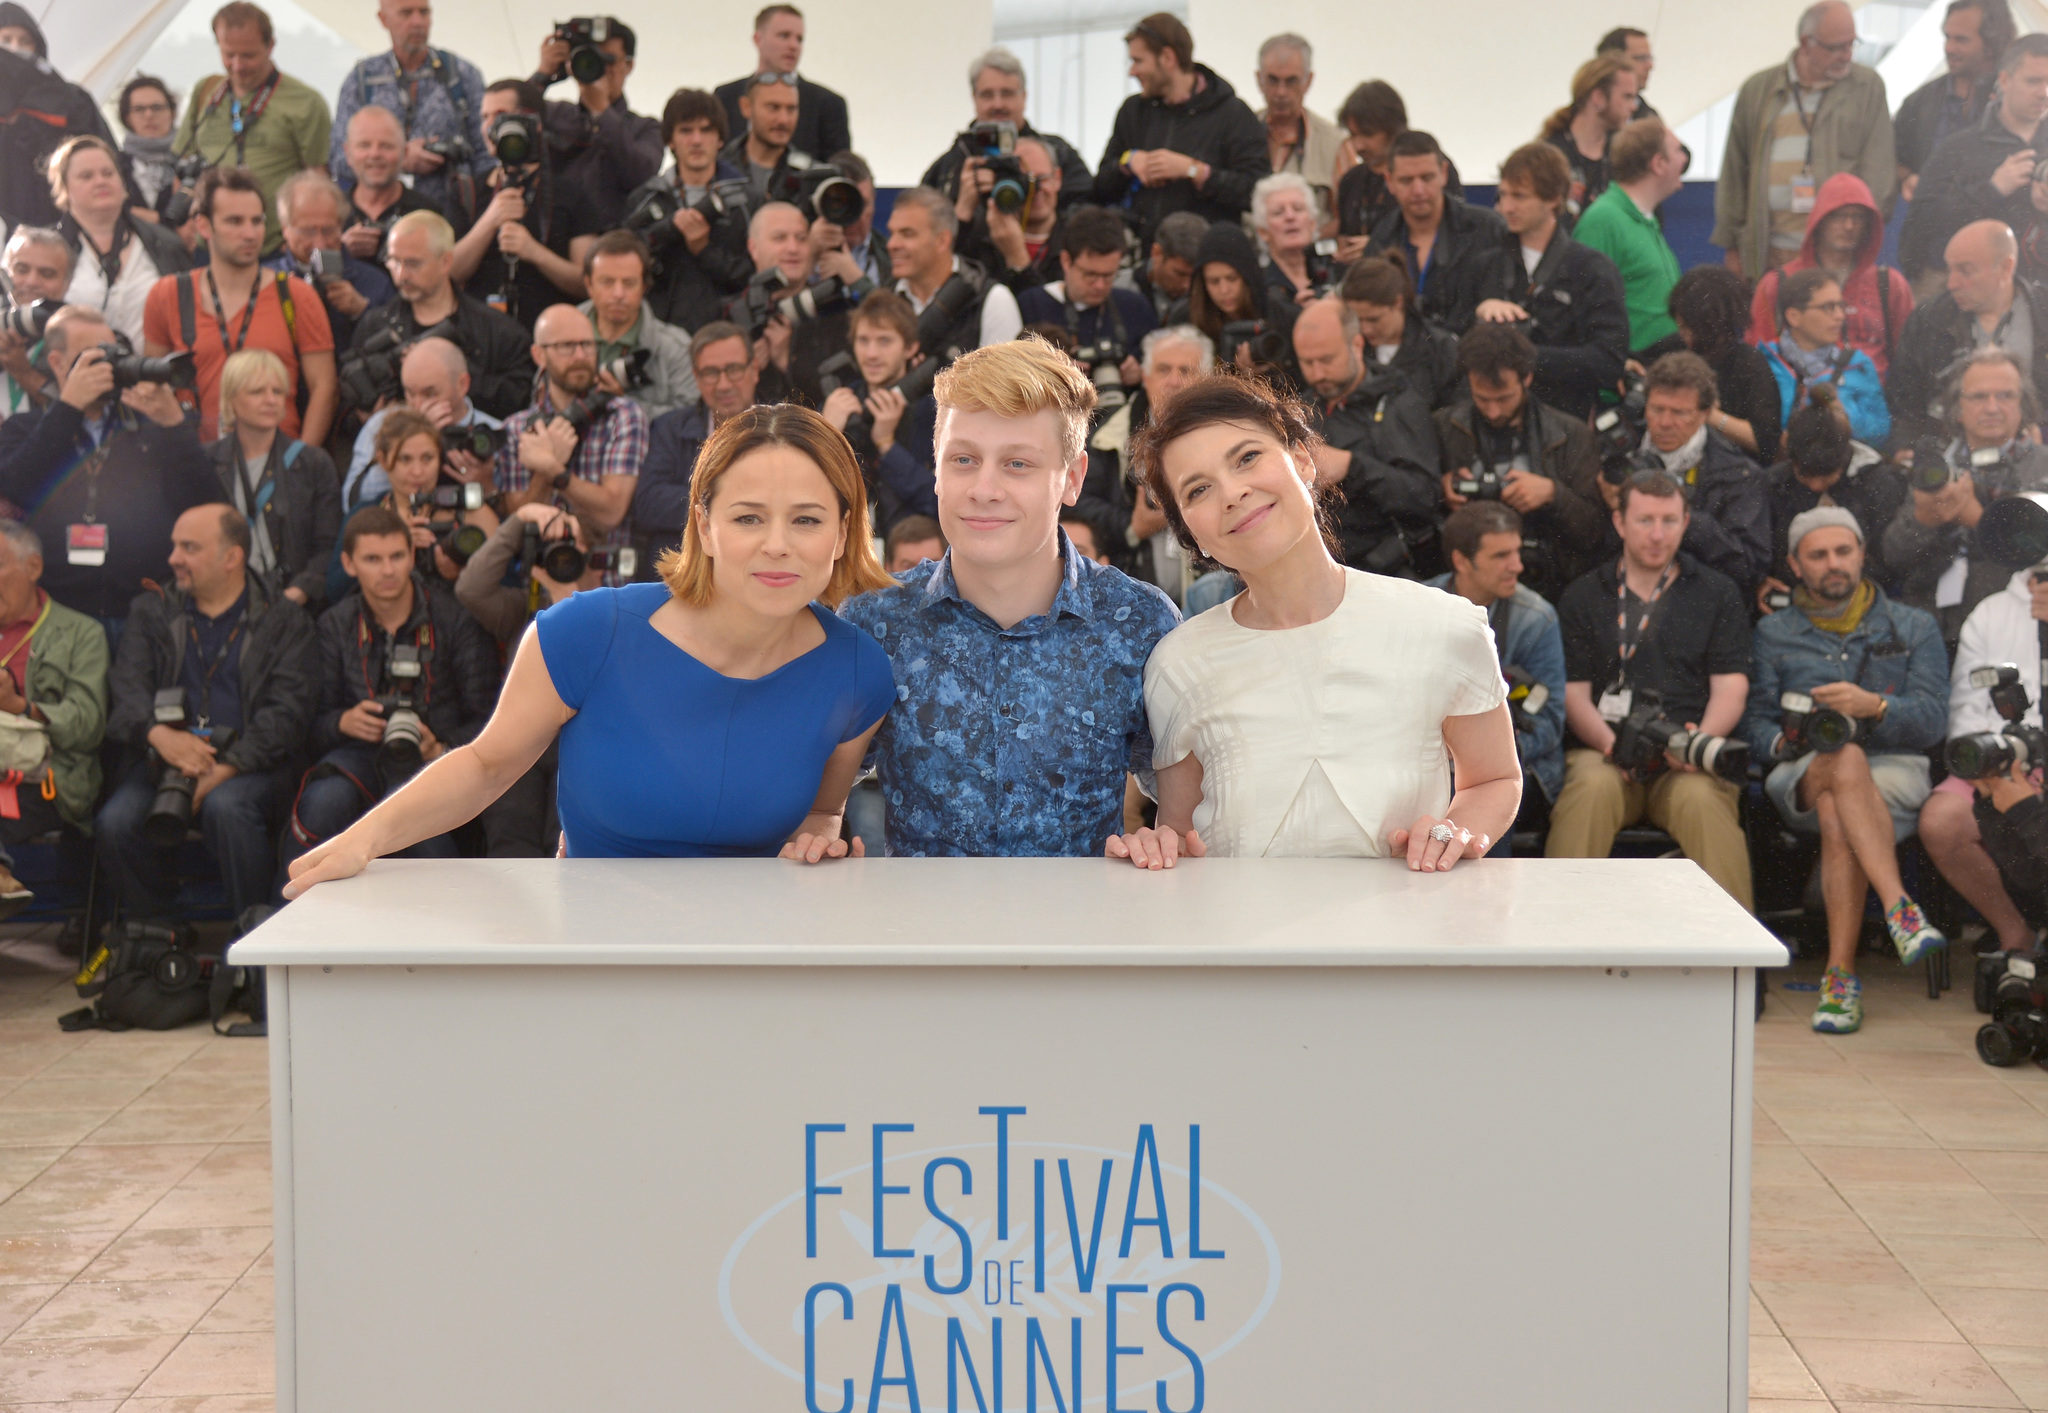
x: 1986, y: 302
x: 1795, y: 125
x: 375, y: 144
x: 435, y: 376
x: 547, y: 461
x: 777, y: 236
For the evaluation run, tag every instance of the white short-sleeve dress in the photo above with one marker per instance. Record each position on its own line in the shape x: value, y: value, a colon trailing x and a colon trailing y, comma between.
x: 1321, y: 741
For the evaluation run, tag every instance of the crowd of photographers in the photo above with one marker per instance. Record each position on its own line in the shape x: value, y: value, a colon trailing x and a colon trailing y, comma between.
x: 312, y: 407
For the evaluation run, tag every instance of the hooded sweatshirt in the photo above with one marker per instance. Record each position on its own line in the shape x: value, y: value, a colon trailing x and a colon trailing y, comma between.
x: 1864, y: 295
x: 1227, y: 243
x: 1212, y: 126
x: 45, y: 111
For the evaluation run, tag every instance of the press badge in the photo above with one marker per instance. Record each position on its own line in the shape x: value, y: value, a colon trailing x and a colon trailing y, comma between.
x: 1802, y: 193
x: 85, y: 545
x: 1614, y: 705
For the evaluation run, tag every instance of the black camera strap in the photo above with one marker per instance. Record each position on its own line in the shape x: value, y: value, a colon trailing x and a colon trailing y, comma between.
x: 208, y: 669
x: 1626, y: 641
x: 422, y: 641
x: 1107, y: 310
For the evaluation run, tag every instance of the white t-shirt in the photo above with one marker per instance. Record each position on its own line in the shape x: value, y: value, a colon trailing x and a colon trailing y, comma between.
x: 1321, y: 741
x: 123, y: 304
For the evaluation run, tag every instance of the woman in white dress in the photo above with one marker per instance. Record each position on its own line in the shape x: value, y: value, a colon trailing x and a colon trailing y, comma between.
x: 117, y: 257
x: 1323, y: 712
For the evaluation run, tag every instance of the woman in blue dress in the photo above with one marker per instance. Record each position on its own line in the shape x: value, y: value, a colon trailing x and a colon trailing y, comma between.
x: 722, y: 712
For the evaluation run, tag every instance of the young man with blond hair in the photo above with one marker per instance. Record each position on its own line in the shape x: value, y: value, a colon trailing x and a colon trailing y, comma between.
x: 1020, y: 665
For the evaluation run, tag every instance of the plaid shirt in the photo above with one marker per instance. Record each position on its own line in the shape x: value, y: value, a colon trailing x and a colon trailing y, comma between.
x: 615, y: 445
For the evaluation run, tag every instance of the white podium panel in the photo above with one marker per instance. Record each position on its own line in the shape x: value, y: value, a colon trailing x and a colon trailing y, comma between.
x: 1029, y: 1135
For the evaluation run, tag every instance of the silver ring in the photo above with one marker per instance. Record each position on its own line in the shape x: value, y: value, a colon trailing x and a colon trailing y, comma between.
x: 1443, y: 833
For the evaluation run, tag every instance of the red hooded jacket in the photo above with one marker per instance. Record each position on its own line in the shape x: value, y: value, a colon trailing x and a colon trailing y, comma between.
x: 1866, y: 326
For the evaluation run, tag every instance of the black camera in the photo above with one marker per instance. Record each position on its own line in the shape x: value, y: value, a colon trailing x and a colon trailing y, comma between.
x: 170, y: 811
x: 1482, y: 480
x: 1647, y: 741
x: 2018, y: 1028
x: 629, y: 369
x: 561, y: 561
x: 585, y: 37
x: 763, y: 298
x: 1932, y: 470
x: 1618, y: 431
x: 369, y: 373
x: 1104, y: 361
x: 996, y: 145
x: 130, y: 369
x: 822, y: 192
x: 478, y: 439
x: 325, y: 265
x: 1808, y: 726
x: 514, y: 138
x: 25, y: 321
x: 399, y: 750
x: 1526, y: 697
x: 456, y: 499
x: 185, y: 175
x: 586, y: 410
x: 1268, y: 346
x: 659, y: 206
x: 453, y: 151
x: 1983, y: 754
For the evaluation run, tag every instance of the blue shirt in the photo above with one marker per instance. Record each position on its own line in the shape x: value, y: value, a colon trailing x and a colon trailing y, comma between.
x: 440, y: 99
x: 212, y: 670
x: 1013, y: 741
x: 667, y: 759
x: 1533, y: 642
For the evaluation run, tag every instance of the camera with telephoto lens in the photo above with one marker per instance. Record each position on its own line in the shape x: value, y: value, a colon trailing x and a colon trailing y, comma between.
x: 763, y: 298
x: 132, y: 369
x: 480, y: 440
x: 585, y: 37
x: 629, y: 370
x: 1104, y: 359
x: 996, y: 145
x: 170, y: 811
x: 399, y: 749
x: 185, y: 175
x: 1269, y: 346
x: 458, y: 540
x: 1808, y: 726
x: 1647, y: 741
x: 561, y: 561
x: 25, y: 321
x: 822, y: 192
x: 453, y: 152
x: 1526, y: 697
x: 1981, y: 755
x: 586, y: 410
x: 1618, y: 432
x: 1932, y: 470
x: 659, y: 206
x: 370, y: 373
x: 2018, y: 1004
x: 514, y: 138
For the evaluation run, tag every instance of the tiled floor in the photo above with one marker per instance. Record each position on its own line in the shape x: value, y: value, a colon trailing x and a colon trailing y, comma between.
x: 1900, y: 1256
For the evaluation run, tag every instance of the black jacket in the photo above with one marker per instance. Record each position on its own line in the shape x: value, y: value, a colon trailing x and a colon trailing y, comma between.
x: 1913, y: 126
x: 1464, y: 263
x: 1075, y: 178
x: 1917, y: 556
x: 302, y: 512
x: 606, y: 156
x: 151, y: 476
x: 1731, y: 515
x: 821, y: 127
x: 1750, y: 391
x: 2017, y: 841
x: 1213, y: 126
x: 1872, y: 491
x: 1363, y: 200
x: 1572, y: 529
x: 276, y: 660
x: 690, y: 290
x: 661, y: 497
x: 1578, y: 320
x: 165, y: 249
x: 1428, y: 359
x: 1955, y: 189
x: 457, y: 689
x: 1393, y: 503
x: 41, y: 110
x: 1938, y: 336
x: 500, y: 353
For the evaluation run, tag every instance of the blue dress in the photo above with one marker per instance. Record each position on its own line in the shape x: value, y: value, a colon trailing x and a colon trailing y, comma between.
x: 667, y: 759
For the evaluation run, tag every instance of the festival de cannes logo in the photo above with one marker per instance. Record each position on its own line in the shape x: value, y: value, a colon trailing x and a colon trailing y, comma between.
x: 966, y: 1262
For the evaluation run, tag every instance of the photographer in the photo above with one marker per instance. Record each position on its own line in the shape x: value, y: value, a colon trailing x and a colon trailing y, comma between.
x: 995, y: 78
x: 1682, y: 633
x: 615, y: 273
x: 39, y: 265
x: 820, y: 123
x: 287, y: 490
x: 1810, y: 354
x: 413, y: 458
x: 1568, y: 295
x: 921, y: 233
x: 1982, y: 172
x: 700, y: 260
x: 1373, y: 115
x: 591, y: 468
x: 1021, y: 247
x: 1107, y: 323
x: 1858, y: 775
x: 1505, y: 445
x: 1453, y: 245
x: 1230, y: 293
x: 376, y: 147
x: 1986, y: 301
x: 1167, y: 273
x: 728, y: 368
x: 1114, y: 500
x: 891, y: 438
x: 762, y: 150
x: 526, y: 249
x: 1378, y: 290
x: 117, y: 256
x: 1647, y: 163
x: 212, y: 682
x: 1603, y: 101
x: 1484, y: 543
x: 1824, y: 465
x: 1729, y: 525
x: 1184, y: 141
x: 606, y: 148
x: 397, y: 653
x: 313, y: 210
x: 1378, y: 444
x: 1928, y: 543
x: 421, y: 262
x: 434, y: 94
x: 436, y: 381
x: 1284, y: 217
x: 106, y: 469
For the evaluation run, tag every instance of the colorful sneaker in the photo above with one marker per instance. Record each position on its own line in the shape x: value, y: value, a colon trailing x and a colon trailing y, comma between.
x: 1911, y: 932
x: 1841, y: 1003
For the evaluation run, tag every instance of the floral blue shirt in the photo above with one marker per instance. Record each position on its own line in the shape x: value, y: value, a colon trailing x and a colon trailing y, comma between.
x: 1013, y: 741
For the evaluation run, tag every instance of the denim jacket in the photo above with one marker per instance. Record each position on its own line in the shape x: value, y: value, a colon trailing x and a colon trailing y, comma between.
x: 1534, y: 644
x: 1896, y: 651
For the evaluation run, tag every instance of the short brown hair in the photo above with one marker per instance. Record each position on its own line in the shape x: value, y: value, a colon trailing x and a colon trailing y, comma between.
x: 717, y: 331
x: 373, y: 520
x: 1162, y: 33
x: 1634, y: 148
x: 220, y: 179
x: 240, y: 14
x: 234, y: 529
x: 1381, y: 280
x: 687, y: 569
x: 769, y: 12
x: 691, y: 105
x: 1684, y: 370
x: 1657, y: 485
x: 1374, y: 109
x: 1540, y: 167
x: 1469, y: 525
x: 888, y: 309
x: 619, y: 243
x: 401, y: 425
x: 911, y: 530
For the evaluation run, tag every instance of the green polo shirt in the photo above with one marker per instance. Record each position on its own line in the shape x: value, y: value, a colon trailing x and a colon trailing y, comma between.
x: 289, y: 135
x: 1616, y: 227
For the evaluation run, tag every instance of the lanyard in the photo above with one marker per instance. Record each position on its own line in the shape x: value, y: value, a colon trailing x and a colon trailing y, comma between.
x: 110, y: 258
x: 206, y: 704
x: 1625, y: 642
x: 1799, y: 106
x: 242, y: 117
x: 220, y: 313
x: 9, y: 657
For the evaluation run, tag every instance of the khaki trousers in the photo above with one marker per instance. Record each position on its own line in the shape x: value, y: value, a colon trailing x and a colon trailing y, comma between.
x: 1697, y: 810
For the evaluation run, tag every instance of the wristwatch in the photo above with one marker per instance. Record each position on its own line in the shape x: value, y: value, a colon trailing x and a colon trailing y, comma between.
x: 1194, y: 170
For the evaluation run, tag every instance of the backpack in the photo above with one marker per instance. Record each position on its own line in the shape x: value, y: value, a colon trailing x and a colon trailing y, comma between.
x: 147, y: 979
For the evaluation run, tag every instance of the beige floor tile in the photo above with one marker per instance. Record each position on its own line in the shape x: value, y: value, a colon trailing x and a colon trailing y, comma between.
x: 1804, y: 1209
x: 46, y: 1092
x: 255, y: 1129
x: 232, y: 1187
x: 1816, y: 1404
x: 1763, y: 1130
x: 19, y: 1165
x: 1888, y: 1168
x: 1776, y: 1372
x: 19, y: 1302
x: 1988, y: 1128
x: 32, y: 1258
x: 2031, y: 1208
x: 1782, y: 1165
x: 224, y: 1055
x: 1760, y: 1321
x: 249, y: 1305
x: 96, y: 1309
x: 51, y: 1126
x: 1822, y: 1256
x: 1899, y: 1372
x: 133, y: 1125
x: 217, y: 1363
x: 1834, y: 1310
x: 2006, y: 1172
x: 128, y: 1053
x: 52, y: 1370
x: 1873, y: 1122
x: 1943, y: 1059
x: 1973, y: 1261
x: 22, y: 1056
x: 99, y: 1187
x: 218, y: 1403
x: 195, y: 1253
x: 2016, y: 1317
x: 2025, y: 1371
x: 1937, y: 1213
x: 1839, y: 1406
x: 186, y: 1089
x: 1841, y: 1085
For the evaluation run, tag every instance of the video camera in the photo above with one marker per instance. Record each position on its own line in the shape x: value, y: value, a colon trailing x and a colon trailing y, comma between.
x: 1269, y: 346
x: 458, y: 540
x: 1983, y: 754
x: 1647, y: 741
x: 561, y: 561
x: 170, y: 810
x: 369, y: 374
x: 1618, y: 432
x: 1808, y: 726
x: 399, y: 750
x: 514, y: 138
x: 822, y: 192
x: 132, y: 369
x: 996, y: 145
x: 2018, y: 1003
x: 587, y: 60
x: 185, y: 175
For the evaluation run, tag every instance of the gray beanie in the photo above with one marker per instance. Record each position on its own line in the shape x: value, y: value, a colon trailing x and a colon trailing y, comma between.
x: 1820, y: 518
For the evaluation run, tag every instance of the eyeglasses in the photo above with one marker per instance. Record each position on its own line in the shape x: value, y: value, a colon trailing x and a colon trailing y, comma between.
x: 136, y: 108
x: 770, y: 76
x: 2005, y: 395
x: 1833, y: 306
x: 1843, y: 48
x: 730, y: 373
x: 571, y: 346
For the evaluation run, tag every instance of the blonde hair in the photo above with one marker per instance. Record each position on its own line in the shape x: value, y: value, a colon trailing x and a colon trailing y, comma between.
x: 440, y: 235
x: 687, y: 569
x: 59, y: 168
x: 240, y: 372
x: 1016, y: 379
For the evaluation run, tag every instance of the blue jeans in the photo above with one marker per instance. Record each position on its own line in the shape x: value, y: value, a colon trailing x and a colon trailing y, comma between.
x: 238, y: 821
x: 334, y: 800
